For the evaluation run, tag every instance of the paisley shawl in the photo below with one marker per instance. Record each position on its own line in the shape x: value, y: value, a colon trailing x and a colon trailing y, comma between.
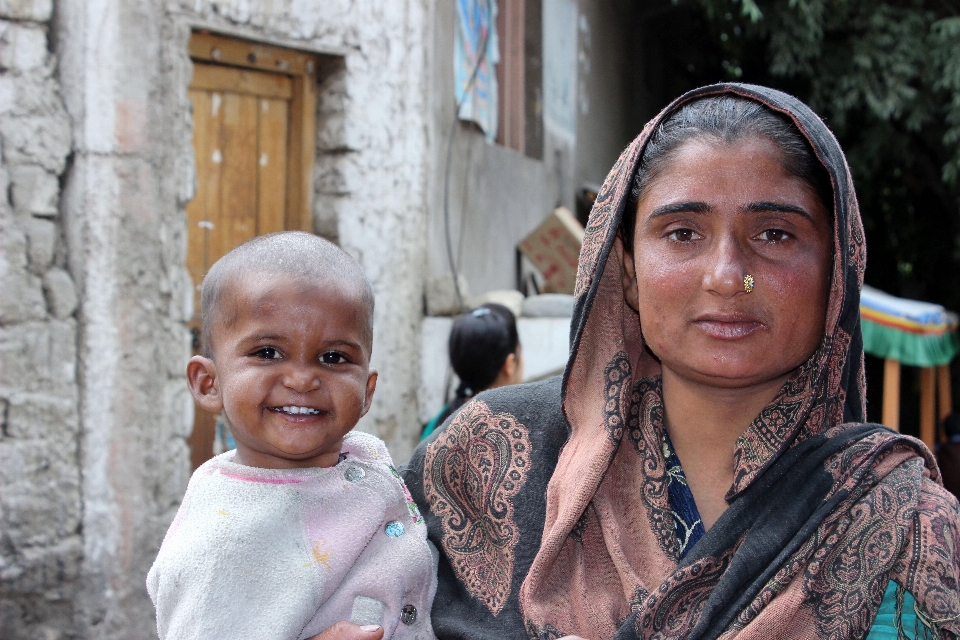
x: 825, y: 511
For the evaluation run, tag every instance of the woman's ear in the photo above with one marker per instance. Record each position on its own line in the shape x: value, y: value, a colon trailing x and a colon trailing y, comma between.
x: 628, y: 275
x: 512, y: 368
x: 517, y: 377
x: 510, y: 372
x: 202, y: 378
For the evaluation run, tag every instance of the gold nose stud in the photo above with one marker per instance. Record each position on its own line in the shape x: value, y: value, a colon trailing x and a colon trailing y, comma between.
x: 748, y: 283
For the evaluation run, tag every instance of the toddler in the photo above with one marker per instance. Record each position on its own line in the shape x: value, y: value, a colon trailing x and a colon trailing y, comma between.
x: 305, y: 523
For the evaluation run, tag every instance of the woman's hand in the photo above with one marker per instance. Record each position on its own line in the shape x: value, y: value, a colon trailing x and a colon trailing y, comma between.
x: 345, y: 630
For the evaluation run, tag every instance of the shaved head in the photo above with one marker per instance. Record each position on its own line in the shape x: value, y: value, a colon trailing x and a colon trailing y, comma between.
x: 297, y: 254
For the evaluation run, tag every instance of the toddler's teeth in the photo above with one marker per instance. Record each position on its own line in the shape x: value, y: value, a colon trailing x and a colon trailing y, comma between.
x: 299, y: 410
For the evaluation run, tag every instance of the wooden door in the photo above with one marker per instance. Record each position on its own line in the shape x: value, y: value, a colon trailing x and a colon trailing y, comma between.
x: 241, y: 124
x: 253, y: 142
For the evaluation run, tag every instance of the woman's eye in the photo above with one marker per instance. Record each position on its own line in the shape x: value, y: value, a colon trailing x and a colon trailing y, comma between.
x: 267, y: 353
x: 683, y: 235
x: 332, y: 357
x: 774, y: 235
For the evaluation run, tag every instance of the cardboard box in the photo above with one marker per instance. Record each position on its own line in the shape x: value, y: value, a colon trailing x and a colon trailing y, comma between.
x: 554, y: 249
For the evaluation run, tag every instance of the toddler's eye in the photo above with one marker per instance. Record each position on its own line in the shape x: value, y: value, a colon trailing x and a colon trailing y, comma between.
x: 267, y: 353
x: 332, y: 357
x: 774, y: 235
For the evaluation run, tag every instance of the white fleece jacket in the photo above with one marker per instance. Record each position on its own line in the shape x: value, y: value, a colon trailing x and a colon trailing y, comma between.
x: 285, y: 553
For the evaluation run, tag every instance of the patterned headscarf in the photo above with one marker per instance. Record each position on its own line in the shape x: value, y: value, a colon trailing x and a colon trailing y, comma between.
x: 824, y: 510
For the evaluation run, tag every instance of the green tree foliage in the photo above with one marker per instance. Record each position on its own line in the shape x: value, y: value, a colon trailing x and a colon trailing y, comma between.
x: 885, y: 75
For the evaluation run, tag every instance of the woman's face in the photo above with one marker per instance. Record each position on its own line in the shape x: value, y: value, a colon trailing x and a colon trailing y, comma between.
x: 717, y: 213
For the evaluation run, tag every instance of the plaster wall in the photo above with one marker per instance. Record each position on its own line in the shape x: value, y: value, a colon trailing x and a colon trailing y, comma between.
x: 495, y: 195
x: 97, y: 167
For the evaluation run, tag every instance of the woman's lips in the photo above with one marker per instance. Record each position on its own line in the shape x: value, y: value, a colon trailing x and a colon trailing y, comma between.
x: 728, y: 328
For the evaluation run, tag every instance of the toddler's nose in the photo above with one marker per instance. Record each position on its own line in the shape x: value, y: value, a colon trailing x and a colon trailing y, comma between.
x: 301, y: 379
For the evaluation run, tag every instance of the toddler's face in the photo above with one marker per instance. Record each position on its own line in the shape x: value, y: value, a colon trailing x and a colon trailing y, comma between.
x: 291, y: 369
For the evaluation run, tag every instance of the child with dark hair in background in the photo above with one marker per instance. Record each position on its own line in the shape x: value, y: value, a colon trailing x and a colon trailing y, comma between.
x: 484, y: 353
x: 948, y: 454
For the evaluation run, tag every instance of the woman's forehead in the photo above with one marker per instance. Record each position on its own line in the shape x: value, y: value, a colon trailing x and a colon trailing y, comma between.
x: 712, y: 168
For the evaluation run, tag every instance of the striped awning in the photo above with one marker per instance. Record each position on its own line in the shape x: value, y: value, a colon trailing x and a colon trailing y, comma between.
x: 919, y: 334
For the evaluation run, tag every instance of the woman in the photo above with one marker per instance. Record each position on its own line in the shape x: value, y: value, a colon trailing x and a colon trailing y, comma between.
x: 703, y: 469
x: 485, y: 354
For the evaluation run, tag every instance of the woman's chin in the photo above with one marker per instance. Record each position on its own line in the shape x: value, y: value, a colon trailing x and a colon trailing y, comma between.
x: 729, y: 375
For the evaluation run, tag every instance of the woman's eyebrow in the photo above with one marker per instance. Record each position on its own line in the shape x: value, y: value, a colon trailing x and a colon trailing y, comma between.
x: 681, y: 207
x: 776, y: 207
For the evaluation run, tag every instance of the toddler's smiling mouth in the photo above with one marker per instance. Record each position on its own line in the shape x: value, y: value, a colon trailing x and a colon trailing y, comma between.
x: 296, y: 411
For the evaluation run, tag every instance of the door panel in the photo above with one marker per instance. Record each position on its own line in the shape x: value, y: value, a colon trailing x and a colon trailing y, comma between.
x: 238, y: 137
x: 241, y: 130
x: 272, y: 165
x: 219, y: 78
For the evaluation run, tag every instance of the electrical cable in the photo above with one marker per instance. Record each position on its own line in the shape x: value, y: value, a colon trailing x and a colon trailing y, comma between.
x: 482, y: 55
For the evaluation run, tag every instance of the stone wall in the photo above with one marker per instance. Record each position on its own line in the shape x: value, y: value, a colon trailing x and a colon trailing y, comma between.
x: 40, y: 482
x: 96, y: 169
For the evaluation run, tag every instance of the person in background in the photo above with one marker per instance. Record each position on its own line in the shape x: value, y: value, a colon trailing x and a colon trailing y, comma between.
x: 484, y: 353
x: 948, y: 454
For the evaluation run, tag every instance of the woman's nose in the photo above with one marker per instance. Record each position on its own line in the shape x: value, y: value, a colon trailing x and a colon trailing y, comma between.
x: 725, y: 268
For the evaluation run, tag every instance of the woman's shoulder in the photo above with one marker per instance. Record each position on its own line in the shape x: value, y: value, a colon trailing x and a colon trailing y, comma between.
x: 481, y: 482
x: 531, y: 412
x: 933, y: 545
x: 938, y: 510
x: 533, y: 406
x: 531, y: 403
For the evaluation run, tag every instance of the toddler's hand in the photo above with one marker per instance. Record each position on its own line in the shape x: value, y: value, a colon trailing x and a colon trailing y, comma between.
x: 345, y: 630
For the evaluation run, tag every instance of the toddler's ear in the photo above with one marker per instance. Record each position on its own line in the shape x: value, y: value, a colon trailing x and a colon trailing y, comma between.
x: 371, y: 387
x: 202, y: 377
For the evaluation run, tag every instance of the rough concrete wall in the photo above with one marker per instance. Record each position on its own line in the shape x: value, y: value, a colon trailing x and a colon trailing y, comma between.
x: 124, y: 71
x: 40, y: 506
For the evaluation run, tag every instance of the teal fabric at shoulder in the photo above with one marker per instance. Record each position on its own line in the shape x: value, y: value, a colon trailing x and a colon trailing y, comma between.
x: 885, y: 624
x: 432, y: 425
